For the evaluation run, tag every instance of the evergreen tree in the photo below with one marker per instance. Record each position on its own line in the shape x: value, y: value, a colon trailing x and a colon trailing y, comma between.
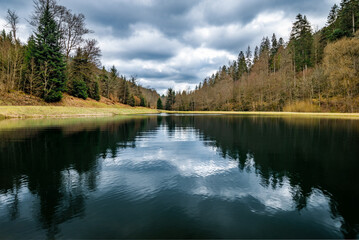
x: 131, y: 100
x: 104, y: 80
x: 94, y: 91
x: 159, y: 103
x: 171, y: 99
x: 79, y: 88
x: 249, y: 58
x: 242, y: 65
x: 273, y: 52
x: 333, y: 15
x: 265, y: 46
x: 349, y: 17
x: 274, y: 45
x: 332, y: 31
x: 143, y: 101
x: 112, y: 79
x: 79, y: 75
x: 301, y: 40
x: 48, y: 57
x: 256, y: 54
x: 280, y: 42
x: 234, y: 71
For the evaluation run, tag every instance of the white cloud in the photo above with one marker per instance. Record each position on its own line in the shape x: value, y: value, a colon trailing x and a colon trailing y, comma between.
x: 178, y: 44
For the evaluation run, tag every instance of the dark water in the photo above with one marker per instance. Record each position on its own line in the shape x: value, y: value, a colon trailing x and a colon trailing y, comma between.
x: 180, y: 177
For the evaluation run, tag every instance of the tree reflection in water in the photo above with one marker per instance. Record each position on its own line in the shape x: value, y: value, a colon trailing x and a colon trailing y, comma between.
x: 61, y: 165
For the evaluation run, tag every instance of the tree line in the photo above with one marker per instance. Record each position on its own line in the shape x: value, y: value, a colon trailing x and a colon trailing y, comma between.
x: 313, y: 71
x: 57, y: 58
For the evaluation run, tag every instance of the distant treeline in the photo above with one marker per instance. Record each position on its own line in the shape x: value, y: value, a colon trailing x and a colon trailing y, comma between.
x: 313, y: 71
x: 57, y: 58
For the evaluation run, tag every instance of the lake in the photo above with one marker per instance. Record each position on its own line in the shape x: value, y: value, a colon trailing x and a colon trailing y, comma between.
x: 179, y: 176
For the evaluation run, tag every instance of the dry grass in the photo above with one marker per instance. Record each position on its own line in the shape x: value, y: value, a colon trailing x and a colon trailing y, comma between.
x: 21, y: 105
x: 18, y: 98
x: 302, y: 106
x: 65, y: 112
x: 15, y: 123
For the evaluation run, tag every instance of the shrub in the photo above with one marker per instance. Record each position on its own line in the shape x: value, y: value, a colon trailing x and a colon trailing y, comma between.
x: 79, y: 89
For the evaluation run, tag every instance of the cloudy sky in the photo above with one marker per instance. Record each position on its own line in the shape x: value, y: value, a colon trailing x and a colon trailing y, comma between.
x: 177, y: 43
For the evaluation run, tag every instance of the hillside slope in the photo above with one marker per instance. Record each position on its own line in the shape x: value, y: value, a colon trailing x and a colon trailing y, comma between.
x: 21, y: 105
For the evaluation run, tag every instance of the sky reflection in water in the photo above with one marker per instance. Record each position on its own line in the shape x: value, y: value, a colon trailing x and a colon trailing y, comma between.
x: 198, y: 177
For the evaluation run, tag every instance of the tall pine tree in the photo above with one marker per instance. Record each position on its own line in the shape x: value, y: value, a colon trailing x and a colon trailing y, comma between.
x: 301, y: 40
x: 171, y: 99
x: 349, y: 17
x: 48, y: 57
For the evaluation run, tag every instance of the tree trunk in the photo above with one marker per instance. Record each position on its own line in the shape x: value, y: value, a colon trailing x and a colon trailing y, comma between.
x: 353, y: 22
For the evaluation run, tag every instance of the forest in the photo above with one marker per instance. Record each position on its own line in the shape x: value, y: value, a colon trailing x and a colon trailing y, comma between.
x: 315, y: 71
x: 58, y: 59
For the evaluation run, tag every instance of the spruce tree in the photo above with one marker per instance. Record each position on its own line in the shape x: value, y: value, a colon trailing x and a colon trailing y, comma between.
x: 96, y: 91
x: 256, y: 54
x: 249, y: 58
x: 242, y: 65
x: 349, y: 17
x: 333, y: 15
x: 79, y: 83
x: 79, y: 89
x: 48, y: 57
x: 265, y: 46
x: 104, y: 80
x: 159, y: 103
x: 171, y: 98
x: 143, y: 102
x: 301, y: 41
x: 274, y: 45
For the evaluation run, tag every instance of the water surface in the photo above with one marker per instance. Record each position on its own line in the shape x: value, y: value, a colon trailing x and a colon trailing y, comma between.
x: 179, y: 177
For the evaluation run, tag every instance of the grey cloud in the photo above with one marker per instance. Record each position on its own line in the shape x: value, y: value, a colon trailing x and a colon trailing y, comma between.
x: 245, y: 11
x: 148, y: 55
x: 167, y: 16
x: 138, y: 33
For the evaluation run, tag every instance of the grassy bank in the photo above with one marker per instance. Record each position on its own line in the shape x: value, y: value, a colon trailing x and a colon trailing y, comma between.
x: 68, y: 111
x: 20, y: 105
x: 274, y: 114
x: 73, y: 123
x: 64, y: 112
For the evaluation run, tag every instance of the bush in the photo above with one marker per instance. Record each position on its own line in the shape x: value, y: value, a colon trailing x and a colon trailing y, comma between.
x: 53, y: 96
x: 79, y: 89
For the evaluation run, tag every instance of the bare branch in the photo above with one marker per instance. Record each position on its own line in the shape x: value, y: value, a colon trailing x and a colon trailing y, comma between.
x: 12, y: 20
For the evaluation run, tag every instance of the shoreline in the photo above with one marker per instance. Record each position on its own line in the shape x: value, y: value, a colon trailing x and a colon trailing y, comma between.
x: 353, y: 116
x: 40, y: 112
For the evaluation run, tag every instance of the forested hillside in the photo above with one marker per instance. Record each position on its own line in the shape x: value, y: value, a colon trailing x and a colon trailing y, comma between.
x: 58, y: 58
x: 313, y: 71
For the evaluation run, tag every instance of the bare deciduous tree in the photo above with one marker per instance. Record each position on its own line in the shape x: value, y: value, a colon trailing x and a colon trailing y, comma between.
x: 12, y: 21
x: 73, y: 29
x: 72, y: 26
